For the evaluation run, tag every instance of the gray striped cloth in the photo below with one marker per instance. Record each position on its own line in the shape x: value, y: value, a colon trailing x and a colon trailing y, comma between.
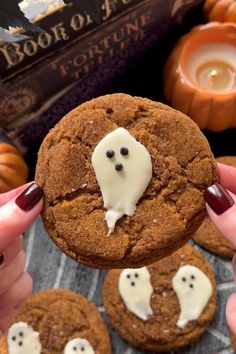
x: 50, y: 268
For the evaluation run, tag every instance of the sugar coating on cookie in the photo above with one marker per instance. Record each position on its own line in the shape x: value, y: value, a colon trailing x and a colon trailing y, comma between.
x: 59, y: 316
x: 170, y: 209
x: 193, y: 289
x: 160, y: 332
x: 135, y: 289
x: 78, y: 346
x: 22, y: 339
x: 123, y: 169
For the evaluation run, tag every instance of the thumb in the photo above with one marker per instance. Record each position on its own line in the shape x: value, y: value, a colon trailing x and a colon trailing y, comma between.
x: 221, y: 208
x: 19, y: 213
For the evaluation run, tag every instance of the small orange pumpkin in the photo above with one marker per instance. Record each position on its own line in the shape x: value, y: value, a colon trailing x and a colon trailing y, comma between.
x: 213, y: 111
x: 13, y: 169
x: 220, y: 10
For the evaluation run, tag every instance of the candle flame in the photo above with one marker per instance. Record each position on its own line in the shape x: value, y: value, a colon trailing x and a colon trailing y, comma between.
x: 213, y: 73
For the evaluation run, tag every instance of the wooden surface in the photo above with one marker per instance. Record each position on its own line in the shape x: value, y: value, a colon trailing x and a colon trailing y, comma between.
x: 50, y: 268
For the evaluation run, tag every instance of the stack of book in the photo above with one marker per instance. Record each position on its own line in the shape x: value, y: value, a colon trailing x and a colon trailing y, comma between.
x: 51, y: 72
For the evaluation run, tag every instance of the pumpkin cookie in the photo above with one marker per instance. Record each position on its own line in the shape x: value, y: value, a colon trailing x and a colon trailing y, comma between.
x: 207, y: 235
x: 129, y: 168
x: 57, y: 322
x: 164, y: 306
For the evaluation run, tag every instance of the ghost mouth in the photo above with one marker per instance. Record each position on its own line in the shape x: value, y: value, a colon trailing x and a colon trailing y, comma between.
x: 119, y: 167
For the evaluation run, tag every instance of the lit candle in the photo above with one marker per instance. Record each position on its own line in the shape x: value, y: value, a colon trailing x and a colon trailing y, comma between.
x: 213, y: 67
x: 216, y: 76
x: 200, y: 76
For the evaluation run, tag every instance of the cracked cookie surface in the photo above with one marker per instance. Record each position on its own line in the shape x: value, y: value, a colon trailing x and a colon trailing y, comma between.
x: 160, y: 332
x: 171, y: 208
x: 207, y: 235
x: 59, y: 316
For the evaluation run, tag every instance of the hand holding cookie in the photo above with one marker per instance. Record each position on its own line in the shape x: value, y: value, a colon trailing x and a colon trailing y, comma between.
x: 18, y: 209
x: 221, y: 208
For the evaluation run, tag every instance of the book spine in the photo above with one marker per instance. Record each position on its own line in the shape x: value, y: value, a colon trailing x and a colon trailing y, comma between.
x: 60, y: 28
x: 29, y: 91
x: 89, y: 72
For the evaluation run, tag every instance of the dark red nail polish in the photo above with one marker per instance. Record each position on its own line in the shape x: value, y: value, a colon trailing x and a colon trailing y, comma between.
x: 218, y: 198
x: 1, y: 259
x: 30, y: 197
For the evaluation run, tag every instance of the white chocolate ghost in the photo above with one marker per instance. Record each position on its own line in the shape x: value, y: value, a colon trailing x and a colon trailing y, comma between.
x: 22, y: 339
x: 123, y: 169
x: 136, y: 290
x: 78, y: 346
x: 193, y: 289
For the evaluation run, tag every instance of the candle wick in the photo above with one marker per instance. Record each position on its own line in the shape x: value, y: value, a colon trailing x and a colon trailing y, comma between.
x: 213, y: 74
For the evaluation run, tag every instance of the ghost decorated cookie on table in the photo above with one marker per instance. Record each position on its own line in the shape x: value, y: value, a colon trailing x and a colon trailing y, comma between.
x: 123, y: 169
x: 192, y: 287
x: 22, y: 339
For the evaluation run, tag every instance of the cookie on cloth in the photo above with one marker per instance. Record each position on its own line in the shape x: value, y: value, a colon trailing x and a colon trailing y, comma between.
x: 57, y: 322
x: 207, y: 235
x: 164, y: 306
x: 123, y: 179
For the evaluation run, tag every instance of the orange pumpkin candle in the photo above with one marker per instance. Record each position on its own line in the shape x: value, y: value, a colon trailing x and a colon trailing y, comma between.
x: 200, y: 76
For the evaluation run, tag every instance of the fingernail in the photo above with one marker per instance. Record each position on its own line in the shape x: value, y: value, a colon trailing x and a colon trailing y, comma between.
x: 30, y: 197
x: 218, y: 198
x: 1, y: 259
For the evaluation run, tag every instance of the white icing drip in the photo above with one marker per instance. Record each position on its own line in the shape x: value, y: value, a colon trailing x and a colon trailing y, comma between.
x: 121, y: 190
x: 193, y: 289
x: 22, y: 339
x: 78, y: 346
x: 136, y: 290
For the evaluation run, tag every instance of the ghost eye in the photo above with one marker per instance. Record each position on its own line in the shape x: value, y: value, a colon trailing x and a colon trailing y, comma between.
x: 192, y: 277
x: 128, y: 276
x: 136, y: 275
x: 74, y: 348
x: 119, y: 167
x: 124, y: 151
x: 14, y: 338
x: 82, y: 349
x: 21, y: 334
x: 183, y: 279
x: 110, y: 153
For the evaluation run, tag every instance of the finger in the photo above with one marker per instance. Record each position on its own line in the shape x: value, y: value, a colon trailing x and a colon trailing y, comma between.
x: 6, y: 197
x: 10, y: 252
x: 19, y: 213
x: 16, y: 296
x: 11, y: 273
x: 221, y: 209
x: 231, y: 312
x: 6, y: 321
x: 227, y: 177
